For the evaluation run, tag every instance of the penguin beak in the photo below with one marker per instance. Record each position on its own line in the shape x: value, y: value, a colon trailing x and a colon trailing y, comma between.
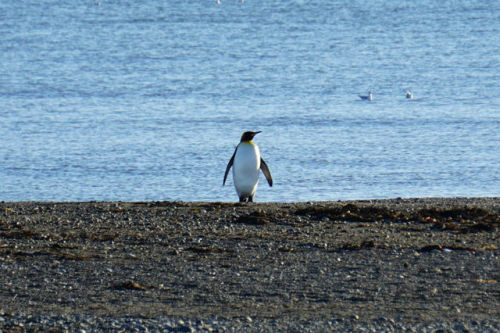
x: 255, y: 133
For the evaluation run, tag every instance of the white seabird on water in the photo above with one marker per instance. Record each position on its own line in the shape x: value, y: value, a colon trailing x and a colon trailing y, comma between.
x: 247, y: 163
x: 367, y: 98
x: 218, y: 1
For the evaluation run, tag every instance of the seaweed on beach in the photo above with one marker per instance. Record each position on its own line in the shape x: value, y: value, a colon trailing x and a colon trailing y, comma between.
x: 462, y: 220
x: 19, y: 234
x: 130, y: 285
x: 351, y: 212
x: 366, y: 244
x: 459, y: 219
x: 255, y: 218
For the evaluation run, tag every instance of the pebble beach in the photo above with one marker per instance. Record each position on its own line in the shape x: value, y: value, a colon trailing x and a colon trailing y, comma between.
x: 393, y: 265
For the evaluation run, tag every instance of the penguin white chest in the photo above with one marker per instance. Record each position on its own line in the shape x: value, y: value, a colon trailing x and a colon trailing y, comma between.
x: 246, y: 167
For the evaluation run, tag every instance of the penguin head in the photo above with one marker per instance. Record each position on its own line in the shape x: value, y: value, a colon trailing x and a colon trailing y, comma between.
x: 248, y: 136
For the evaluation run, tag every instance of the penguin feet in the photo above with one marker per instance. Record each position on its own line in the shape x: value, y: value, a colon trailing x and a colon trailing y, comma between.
x: 246, y: 199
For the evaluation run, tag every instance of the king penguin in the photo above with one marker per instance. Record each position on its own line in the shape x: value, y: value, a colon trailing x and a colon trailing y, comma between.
x: 247, y: 162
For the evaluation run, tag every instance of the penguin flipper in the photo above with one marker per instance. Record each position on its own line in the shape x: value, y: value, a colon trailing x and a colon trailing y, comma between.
x: 266, y: 172
x: 229, y: 165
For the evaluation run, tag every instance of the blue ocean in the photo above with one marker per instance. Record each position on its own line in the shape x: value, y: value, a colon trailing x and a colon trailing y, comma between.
x: 146, y: 100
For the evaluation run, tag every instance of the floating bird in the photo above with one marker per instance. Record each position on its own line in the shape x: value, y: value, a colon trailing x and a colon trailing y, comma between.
x: 218, y: 1
x: 409, y: 95
x: 247, y: 163
x: 368, y: 98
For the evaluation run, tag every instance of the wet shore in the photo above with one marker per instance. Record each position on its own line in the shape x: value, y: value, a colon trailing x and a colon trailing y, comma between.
x: 374, y: 264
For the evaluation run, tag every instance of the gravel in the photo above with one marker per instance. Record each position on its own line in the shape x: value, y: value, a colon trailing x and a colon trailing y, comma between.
x: 84, y: 323
x: 426, y: 264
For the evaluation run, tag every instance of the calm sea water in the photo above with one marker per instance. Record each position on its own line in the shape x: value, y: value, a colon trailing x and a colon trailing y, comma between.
x: 146, y: 100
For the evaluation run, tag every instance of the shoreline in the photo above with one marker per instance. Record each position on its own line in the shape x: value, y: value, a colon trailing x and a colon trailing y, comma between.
x: 393, y: 199
x: 330, y: 265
